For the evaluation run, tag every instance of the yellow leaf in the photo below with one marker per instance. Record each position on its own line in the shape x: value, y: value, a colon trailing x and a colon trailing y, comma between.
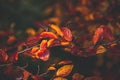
x: 100, y: 50
x: 57, y: 29
x: 51, y: 68
x: 49, y: 43
x: 60, y: 78
x: 64, y: 70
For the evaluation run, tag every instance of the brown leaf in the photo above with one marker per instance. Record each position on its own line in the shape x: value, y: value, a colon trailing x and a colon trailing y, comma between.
x: 77, y: 76
x: 64, y: 70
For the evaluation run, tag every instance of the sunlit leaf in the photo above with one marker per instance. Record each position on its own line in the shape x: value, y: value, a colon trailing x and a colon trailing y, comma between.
x: 77, y: 76
x: 50, y: 42
x: 48, y: 35
x: 64, y: 70
x: 60, y: 78
x: 43, y: 45
x: 57, y: 29
x: 67, y: 35
x: 100, y: 50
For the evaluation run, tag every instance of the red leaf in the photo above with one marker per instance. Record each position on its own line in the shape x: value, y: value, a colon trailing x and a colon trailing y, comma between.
x: 67, y: 34
x: 43, y: 54
x: 13, y: 57
x: 3, y: 56
x: 102, y: 32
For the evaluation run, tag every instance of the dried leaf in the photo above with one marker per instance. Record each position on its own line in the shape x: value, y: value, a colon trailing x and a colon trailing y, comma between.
x: 57, y: 29
x: 100, y: 50
x: 48, y: 35
x: 60, y: 78
x: 64, y: 70
x: 67, y: 34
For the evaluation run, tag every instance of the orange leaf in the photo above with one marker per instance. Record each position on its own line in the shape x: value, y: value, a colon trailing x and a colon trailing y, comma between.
x: 64, y: 70
x: 98, y: 35
x: 43, y: 45
x: 34, y: 49
x: 25, y: 75
x: 57, y: 29
x: 100, y: 50
x: 49, y: 43
x: 65, y: 43
x: 48, y: 35
x: 67, y: 35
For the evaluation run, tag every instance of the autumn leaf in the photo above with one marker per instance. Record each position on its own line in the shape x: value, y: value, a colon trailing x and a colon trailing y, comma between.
x: 3, y: 56
x: 13, y: 57
x: 102, y: 32
x: 57, y: 29
x: 77, y: 76
x: 64, y: 70
x: 31, y: 31
x: 43, y: 45
x: 67, y: 34
x: 35, y: 77
x: 43, y: 54
x: 50, y: 42
x: 25, y: 75
x: 64, y: 62
x: 101, y: 50
x: 60, y: 78
x: 50, y: 35
x: 98, y: 35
